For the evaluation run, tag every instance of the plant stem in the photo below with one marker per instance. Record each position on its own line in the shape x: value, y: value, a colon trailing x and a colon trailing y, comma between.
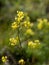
x: 19, y: 36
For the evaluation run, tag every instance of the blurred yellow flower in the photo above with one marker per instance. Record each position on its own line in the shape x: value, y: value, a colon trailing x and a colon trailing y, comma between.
x: 4, y: 58
x: 27, y: 23
x: 45, y: 20
x: 41, y: 22
x: 20, y: 15
x: 13, y: 41
x: 36, y: 41
x: 14, y: 25
x: 21, y: 61
x: 40, y: 25
x: 32, y: 44
x: 29, y: 32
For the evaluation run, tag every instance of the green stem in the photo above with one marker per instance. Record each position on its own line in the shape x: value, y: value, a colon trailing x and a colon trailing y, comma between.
x: 19, y: 36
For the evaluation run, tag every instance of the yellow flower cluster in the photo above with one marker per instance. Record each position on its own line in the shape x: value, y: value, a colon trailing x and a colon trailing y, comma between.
x: 21, y: 62
x: 29, y: 32
x: 20, y: 15
x: 27, y: 23
x: 4, y: 59
x: 36, y: 41
x: 14, y: 41
x: 32, y: 44
x: 14, y: 25
x: 41, y: 22
x: 45, y: 20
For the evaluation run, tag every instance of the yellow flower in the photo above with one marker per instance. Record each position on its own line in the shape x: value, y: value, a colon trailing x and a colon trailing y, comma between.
x: 41, y: 22
x: 13, y: 41
x: 40, y: 25
x: 45, y: 20
x: 27, y: 23
x: 30, y: 43
x: 21, y: 61
x: 20, y: 15
x: 36, y: 41
x: 29, y: 32
x: 4, y: 58
x: 33, y: 44
x: 14, y: 25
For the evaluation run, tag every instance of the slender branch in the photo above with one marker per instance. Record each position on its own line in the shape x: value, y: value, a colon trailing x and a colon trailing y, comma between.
x: 19, y: 35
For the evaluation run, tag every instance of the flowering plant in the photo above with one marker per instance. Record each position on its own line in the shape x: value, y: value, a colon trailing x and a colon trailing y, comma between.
x: 28, y: 44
